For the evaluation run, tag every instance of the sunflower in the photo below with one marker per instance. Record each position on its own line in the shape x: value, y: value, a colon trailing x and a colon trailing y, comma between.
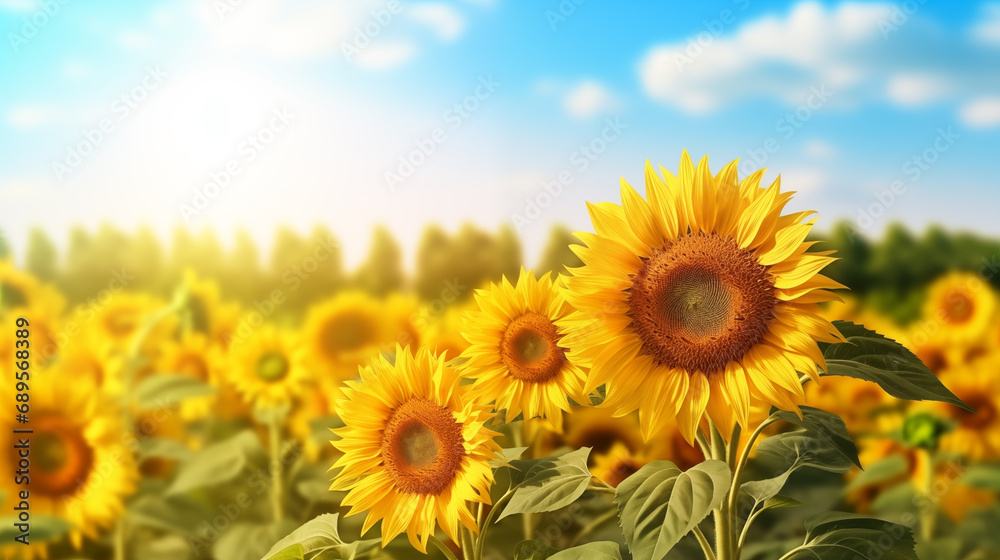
x: 194, y: 356
x: 415, y: 448
x: 962, y: 305
x: 80, y: 471
x: 345, y: 332
x: 21, y: 289
x: 867, y: 401
x: 516, y: 353
x: 443, y: 332
x: 618, y: 463
x: 90, y: 357
x: 976, y: 435
x: 120, y: 318
x: 269, y: 368
x: 700, y: 297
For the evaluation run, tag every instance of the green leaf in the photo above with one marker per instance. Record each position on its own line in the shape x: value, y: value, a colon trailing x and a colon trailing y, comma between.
x: 163, y: 448
x: 507, y: 455
x: 870, y: 356
x: 549, y: 484
x: 983, y: 476
x: 941, y: 549
x: 294, y: 552
x: 781, y: 502
x: 321, y: 535
x: 799, y: 449
x: 825, y: 426
x: 881, y: 471
x: 247, y: 541
x: 846, y: 536
x: 533, y: 550
x: 659, y: 504
x: 165, y: 389
x: 604, y: 550
x: 216, y: 463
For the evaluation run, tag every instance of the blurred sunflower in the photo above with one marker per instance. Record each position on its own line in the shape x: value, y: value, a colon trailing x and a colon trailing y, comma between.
x: 976, y: 435
x: 701, y: 297
x: 205, y: 309
x: 599, y: 429
x: 402, y: 312
x: 313, y: 405
x: 516, y: 353
x: 618, y: 463
x: 80, y: 471
x: 443, y: 332
x: 268, y: 368
x: 963, y: 304
x: 47, y: 333
x: 21, y: 289
x: 91, y: 357
x: 194, y: 356
x: 120, y: 318
x: 415, y: 449
x: 867, y: 401
x: 345, y: 332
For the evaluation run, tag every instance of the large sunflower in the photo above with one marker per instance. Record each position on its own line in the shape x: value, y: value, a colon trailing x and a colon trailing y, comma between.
x: 516, y: 353
x: 345, y: 332
x: 269, y: 368
x: 80, y: 470
x: 962, y: 305
x: 415, y: 448
x: 700, y: 297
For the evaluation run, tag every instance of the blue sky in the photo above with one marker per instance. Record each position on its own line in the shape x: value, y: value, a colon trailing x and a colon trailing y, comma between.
x: 312, y: 106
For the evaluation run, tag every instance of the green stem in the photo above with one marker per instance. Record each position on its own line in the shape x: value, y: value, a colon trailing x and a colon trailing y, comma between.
x: 442, y: 547
x: 468, y: 542
x: 928, y: 515
x: 705, y: 546
x: 120, y: 539
x: 274, y: 427
x: 723, y: 529
x: 494, y: 511
x: 746, y: 529
x: 738, y: 468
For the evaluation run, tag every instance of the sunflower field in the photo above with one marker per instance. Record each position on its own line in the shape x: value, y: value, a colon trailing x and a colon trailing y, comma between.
x: 701, y: 375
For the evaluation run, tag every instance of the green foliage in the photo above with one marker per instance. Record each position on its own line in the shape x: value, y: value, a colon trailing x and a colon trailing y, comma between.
x: 604, y: 550
x: 382, y: 271
x: 216, y: 463
x: 797, y: 449
x: 533, y: 550
x: 659, y: 504
x: 166, y: 389
x: 548, y: 484
x: 41, y: 255
x: 870, y: 356
x: 845, y: 536
x: 557, y: 255
x: 322, y: 537
x: 826, y: 427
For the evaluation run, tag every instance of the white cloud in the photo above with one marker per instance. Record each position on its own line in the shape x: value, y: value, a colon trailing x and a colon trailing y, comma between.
x: 587, y: 99
x: 803, y: 179
x: 858, y: 51
x: 981, y: 113
x: 383, y: 56
x: 819, y: 149
x: 29, y: 116
x: 988, y: 29
x: 446, y: 23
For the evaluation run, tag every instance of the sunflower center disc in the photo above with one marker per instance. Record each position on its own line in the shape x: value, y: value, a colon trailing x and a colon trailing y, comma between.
x: 959, y: 307
x: 530, y: 348
x: 64, y: 459
x: 194, y: 366
x: 985, y: 415
x: 701, y: 303
x: 422, y: 447
x: 272, y: 366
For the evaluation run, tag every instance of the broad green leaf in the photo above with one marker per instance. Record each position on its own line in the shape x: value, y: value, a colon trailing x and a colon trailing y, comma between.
x: 533, y: 550
x: 216, y: 463
x: 549, y: 484
x: 885, y: 469
x: 846, y: 536
x: 870, y: 356
x: 604, y: 550
x: 294, y: 552
x: 165, y: 389
x: 659, y: 504
x: 781, y: 502
x: 825, y: 426
x: 321, y: 535
x: 798, y: 449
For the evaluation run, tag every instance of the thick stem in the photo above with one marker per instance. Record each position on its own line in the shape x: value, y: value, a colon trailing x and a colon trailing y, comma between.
x: 120, y: 539
x: 723, y: 528
x: 928, y: 513
x: 276, y: 491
